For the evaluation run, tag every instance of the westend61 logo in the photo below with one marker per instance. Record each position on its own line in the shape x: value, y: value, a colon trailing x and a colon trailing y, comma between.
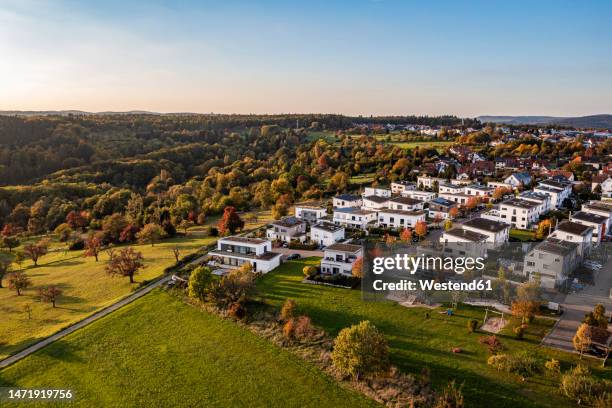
x: 426, y: 271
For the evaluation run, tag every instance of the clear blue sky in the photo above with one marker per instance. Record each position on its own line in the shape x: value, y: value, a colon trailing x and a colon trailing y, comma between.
x: 354, y: 57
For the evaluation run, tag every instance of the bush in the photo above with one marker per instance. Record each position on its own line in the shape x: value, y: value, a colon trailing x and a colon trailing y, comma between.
x: 523, y: 364
x: 360, y: 350
x: 289, y: 329
x: 299, y: 245
x: 199, y: 282
x: 304, y: 329
x: 579, y: 387
x: 452, y: 397
x: 288, y: 310
x: 553, y: 367
x: 309, y: 271
x: 498, y: 361
x: 77, y: 245
x: 472, y: 325
x: 212, y: 232
x: 492, y: 342
x: 237, y: 311
x: 519, y: 331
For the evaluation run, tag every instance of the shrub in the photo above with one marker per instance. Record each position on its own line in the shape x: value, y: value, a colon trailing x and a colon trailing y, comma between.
x: 492, y: 343
x: 360, y: 350
x: 472, y: 325
x: 452, y: 397
x: 304, y: 329
x: 235, y: 287
x: 498, y: 361
x: 237, y: 311
x: 199, y: 282
x: 288, y: 310
x: 523, y: 364
x: 289, y: 329
x: 309, y: 271
x: 579, y: 386
x: 552, y: 366
x: 519, y: 331
x: 298, y: 245
x: 212, y: 232
x: 77, y: 245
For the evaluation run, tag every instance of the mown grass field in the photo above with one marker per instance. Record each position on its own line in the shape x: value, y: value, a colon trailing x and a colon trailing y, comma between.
x: 522, y: 235
x: 86, y: 288
x: 160, y: 352
x: 440, y: 145
x: 417, y: 342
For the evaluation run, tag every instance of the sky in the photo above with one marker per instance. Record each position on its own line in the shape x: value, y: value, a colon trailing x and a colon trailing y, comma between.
x: 358, y: 57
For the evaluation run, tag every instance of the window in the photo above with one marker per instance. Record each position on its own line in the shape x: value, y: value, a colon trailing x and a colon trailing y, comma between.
x: 530, y: 263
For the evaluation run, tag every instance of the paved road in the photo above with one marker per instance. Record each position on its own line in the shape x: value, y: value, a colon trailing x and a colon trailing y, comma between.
x: 576, y: 305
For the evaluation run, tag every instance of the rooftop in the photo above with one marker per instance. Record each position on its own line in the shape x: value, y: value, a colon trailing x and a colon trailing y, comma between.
x: 517, y: 202
x: 534, y: 195
x: 553, y: 183
x: 344, y: 248
x: 244, y: 240
x: 557, y: 246
x: 588, y: 217
x: 376, y: 199
x: 288, y: 222
x: 480, y: 187
x: 356, y: 211
x: 328, y: 226
x: 467, y: 235
x: 405, y: 200
x: 401, y: 212
x: 443, y: 201
x: 348, y: 197
x: 573, y: 228
x: 599, y: 206
x: 486, y: 225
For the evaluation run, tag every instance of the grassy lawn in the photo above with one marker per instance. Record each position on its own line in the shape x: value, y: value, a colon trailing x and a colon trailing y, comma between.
x: 417, y: 342
x: 522, y: 235
x: 362, y: 179
x: 441, y: 145
x: 160, y: 352
x: 86, y: 286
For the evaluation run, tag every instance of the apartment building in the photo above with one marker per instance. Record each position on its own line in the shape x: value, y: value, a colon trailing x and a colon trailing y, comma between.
x: 397, y: 187
x: 399, y: 219
x: 496, y: 232
x: 374, y: 203
x: 405, y: 203
x: 326, y: 233
x: 425, y: 196
x: 354, y: 218
x: 377, y: 191
x: 310, y: 213
x: 440, y: 207
x: 597, y: 222
x: 287, y: 229
x: 552, y: 261
x: 518, y: 213
x: 574, y: 232
x: 347, y: 201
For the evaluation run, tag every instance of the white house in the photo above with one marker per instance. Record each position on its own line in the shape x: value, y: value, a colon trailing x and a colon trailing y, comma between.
x: 425, y: 196
x: 447, y: 188
x: 440, y: 207
x: 600, y: 208
x: 499, y: 184
x: 558, y: 191
x: 518, y: 213
x: 397, y: 187
x: 339, y: 258
x: 552, y: 261
x: 354, y: 217
x: 606, y: 187
x: 543, y: 200
x: 310, y: 213
x: 477, y: 190
x: 399, y: 218
x: 496, y: 232
x: 518, y: 179
x: 405, y: 203
x: 326, y: 233
x: 459, y: 198
x: 235, y: 251
x: 377, y: 191
x: 287, y: 229
x: 374, y: 203
x: 347, y: 201
x: 597, y: 222
x: 428, y: 182
x: 577, y: 233
x: 461, y: 242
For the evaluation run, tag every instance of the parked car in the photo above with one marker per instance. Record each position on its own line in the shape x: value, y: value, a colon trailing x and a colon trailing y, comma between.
x: 293, y: 256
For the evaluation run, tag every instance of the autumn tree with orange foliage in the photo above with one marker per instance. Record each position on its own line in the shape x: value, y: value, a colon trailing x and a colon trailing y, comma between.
x: 357, y: 270
x: 406, y: 235
x: 420, y: 229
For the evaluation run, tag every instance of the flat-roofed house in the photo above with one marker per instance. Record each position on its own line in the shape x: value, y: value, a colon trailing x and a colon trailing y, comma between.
x: 575, y: 232
x: 552, y: 261
x: 428, y: 182
x: 339, y: 258
x: 377, y: 191
x: 405, y: 203
x: 235, y: 251
x: 462, y: 242
x: 399, y: 218
x: 425, y: 196
x: 287, y: 229
x: 544, y: 201
x: 397, y: 187
x: 496, y: 232
x: 478, y: 190
x: 354, y: 218
x: 347, y: 201
x: 598, y: 222
x: 326, y: 233
x: 374, y: 203
x: 459, y: 198
x: 557, y: 190
x: 440, y: 207
x: 518, y: 213
x: 600, y: 208
x: 310, y: 213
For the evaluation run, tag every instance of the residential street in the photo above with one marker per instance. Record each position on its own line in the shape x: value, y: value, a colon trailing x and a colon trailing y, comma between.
x: 576, y: 305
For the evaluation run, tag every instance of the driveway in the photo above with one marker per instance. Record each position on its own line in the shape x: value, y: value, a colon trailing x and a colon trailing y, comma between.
x: 576, y: 305
x: 303, y: 253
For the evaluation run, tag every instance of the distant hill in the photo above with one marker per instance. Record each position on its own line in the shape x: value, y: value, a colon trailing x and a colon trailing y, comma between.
x: 72, y: 112
x: 603, y: 121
